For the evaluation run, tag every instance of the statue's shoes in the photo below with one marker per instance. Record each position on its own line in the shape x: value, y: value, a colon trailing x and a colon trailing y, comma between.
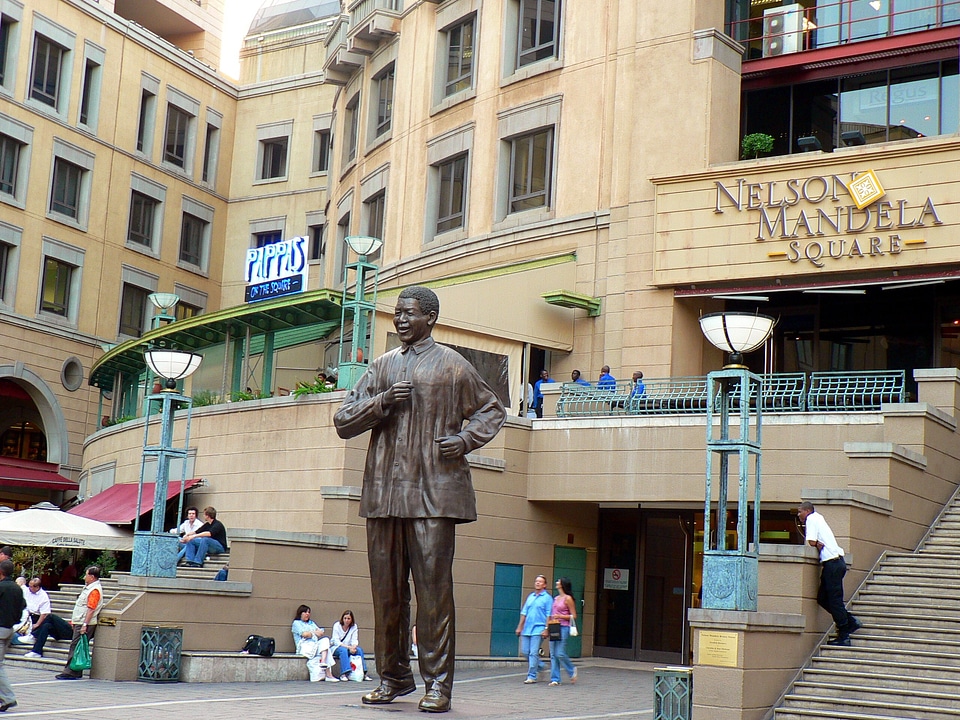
x: 385, y: 694
x: 435, y: 701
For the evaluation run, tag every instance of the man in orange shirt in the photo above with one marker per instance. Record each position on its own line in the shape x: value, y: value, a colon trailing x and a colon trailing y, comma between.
x: 84, y: 618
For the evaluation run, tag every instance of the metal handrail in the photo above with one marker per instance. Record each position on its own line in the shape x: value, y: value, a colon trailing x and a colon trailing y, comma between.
x: 862, y: 391
x: 829, y: 24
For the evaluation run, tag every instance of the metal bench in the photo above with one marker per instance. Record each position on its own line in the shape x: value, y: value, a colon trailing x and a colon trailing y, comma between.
x: 855, y: 390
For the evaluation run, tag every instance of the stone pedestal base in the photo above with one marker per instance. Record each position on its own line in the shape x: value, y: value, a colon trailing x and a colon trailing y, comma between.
x: 742, y: 661
x: 154, y: 555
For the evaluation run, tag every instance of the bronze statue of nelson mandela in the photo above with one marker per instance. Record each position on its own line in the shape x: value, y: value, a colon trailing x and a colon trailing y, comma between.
x: 427, y: 407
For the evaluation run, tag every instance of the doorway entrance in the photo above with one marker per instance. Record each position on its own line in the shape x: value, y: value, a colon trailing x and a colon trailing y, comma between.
x: 645, y: 576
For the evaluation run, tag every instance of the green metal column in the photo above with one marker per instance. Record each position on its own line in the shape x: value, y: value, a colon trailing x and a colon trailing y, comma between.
x: 266, y: 380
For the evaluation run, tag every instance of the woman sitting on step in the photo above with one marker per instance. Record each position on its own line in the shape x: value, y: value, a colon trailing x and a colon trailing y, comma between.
x: 313, y: 644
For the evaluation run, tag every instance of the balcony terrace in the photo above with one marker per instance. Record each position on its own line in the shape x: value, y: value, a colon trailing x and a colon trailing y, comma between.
x: 371, y: 22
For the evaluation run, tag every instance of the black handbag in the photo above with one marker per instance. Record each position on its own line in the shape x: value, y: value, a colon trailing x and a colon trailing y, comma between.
x: 259, y: 645
x: 553, y: 631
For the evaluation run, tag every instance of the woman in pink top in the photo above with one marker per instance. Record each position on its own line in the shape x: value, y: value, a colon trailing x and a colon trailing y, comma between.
x: 565, y: 611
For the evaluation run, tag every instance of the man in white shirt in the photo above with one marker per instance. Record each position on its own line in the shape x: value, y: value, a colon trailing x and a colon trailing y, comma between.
x: 188, y: 527
x: 832, y: 569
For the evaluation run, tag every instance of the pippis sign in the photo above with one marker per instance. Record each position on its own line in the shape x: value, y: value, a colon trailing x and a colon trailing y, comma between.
x: 827, y: 218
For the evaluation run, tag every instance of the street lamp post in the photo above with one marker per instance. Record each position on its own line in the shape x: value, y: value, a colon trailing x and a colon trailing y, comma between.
x: 355, y: 356
x: 730, y: 575
x: 155, y: 551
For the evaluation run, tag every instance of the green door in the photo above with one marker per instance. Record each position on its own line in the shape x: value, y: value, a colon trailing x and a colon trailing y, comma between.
x: 572, y: 563
x: 507, y: 599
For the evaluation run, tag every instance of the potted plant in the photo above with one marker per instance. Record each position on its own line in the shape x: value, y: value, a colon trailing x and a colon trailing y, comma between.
x: 755, y: 143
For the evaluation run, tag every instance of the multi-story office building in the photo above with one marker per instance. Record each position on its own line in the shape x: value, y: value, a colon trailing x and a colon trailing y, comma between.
x: 567, y: 176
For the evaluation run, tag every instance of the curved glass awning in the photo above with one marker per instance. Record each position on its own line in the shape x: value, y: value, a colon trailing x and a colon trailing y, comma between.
x: 317, y: 307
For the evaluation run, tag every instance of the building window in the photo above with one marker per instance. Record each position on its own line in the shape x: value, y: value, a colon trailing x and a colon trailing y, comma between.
x: 531, y: 163
x: 6, y: 251
x: 192, y: 233
x: 90, y: 90
x: 47, y: 69
x: 883, y: 106
x: 148, y: 112
x: 375, y: 208
x: 143, y: 211
x: 321, y: 151
x: 262, y: 239
x: 9, y: 164
x: 273, y: 163
x: 343, y: 230
x: 175, y: 138
x: 65, y: 198
x: 453, y: 193
x: 459, y: 58
x: 55, y: 297
x: 316, y: 242
x: 133, y: 310
x: 384, y: 101
x: 210, y: 152
x: 352, y: 120
x: 538, y: 31
x: 7, y: 51
x: 186, y: 310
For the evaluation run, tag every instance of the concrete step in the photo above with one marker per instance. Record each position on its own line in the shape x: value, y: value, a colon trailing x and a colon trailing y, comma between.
x: 860, y: 708
x: 869, y: 610
x: 883, y: 680
x: 860, y: 651
x: 892, y: 665
x: 894, y: 696
x: 881, y: 626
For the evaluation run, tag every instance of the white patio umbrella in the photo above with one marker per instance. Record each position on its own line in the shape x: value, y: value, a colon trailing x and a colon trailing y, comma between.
x: 51, y: 527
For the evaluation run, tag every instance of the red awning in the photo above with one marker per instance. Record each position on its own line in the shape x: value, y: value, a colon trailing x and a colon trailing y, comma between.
x: 15, y: 472
x: 117, y: 505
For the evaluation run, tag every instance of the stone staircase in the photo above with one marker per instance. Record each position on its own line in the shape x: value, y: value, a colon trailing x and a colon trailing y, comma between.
x: 905, y: 661
x: 63, y: 600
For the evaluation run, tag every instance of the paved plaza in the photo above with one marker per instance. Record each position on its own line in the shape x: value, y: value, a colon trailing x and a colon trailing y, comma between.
x: 604, y: 689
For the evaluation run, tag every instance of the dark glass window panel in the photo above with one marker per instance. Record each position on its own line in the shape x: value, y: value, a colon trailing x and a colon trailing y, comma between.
x: 175, y: 141
x: 142, y: 212
x: 316, y: 242
x: 4, y: 269
x: 65, y: 199
x: 145, y: 98
x: 530, y: 169
x: 133, y: 307
x: 45, y: 84
x: 385, y: 102
x: 815, y: 113
x: 459, y: 58
x: 267, y: 238
x: 55, y: 297
x: 453, y: 189
x: 9, y: 164
x: 538, y: 30
x: 321, y: 151
x: 208, y: 146
x: 191, y: 239
x: 274, y: 163
x: 86, y: 96
x: 5, y: 26
x: 185, y: 310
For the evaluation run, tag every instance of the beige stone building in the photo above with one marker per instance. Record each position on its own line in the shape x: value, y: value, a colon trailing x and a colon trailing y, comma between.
x: 566, y: 176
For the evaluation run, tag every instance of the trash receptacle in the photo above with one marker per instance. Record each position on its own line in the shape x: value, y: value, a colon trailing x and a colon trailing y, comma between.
x: 160, y: 654
x: 672, y: 693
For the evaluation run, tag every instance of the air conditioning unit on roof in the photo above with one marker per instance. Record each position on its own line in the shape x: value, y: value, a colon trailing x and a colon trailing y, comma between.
x: 782, y: 30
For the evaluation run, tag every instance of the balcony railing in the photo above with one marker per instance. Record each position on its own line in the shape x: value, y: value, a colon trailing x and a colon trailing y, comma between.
x: 361, y: 10
x: 781, y: 392
x: 786, y: 29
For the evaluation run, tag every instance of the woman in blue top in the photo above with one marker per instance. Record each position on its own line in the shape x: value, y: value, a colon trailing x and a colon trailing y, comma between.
x: 313, y: 644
